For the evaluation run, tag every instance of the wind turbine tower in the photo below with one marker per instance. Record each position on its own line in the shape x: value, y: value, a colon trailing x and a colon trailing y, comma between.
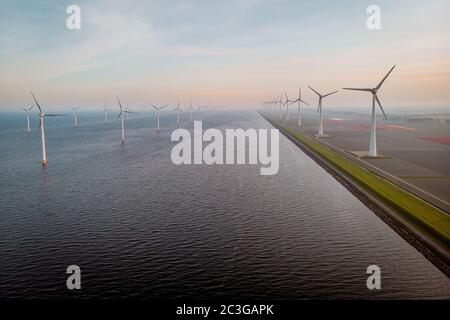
x: 75, y: 116
x: 319, y: 109
x: 373, y: 129
x: 157, y: 115
x: 299, y: 100
x: 27, y: 110
x: 178, y: 113
x: 44, y: 160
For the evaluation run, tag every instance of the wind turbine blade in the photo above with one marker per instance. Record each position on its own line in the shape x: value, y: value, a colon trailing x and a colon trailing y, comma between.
x: 318, y: 107
x: 381, y: 83
x: 120, y: 105
x: 163, y: 107
x: 329, y: 94
x: 305, y: 102
x: 119, y: 115
x: 154, y: 106
x: 382, y: 110
x: 24, y: 109
x: 29, y: 109
x: 358, y: 89
x: 314, y: 91
x: 37, y: 103
x: 286, y: 96
x: 55, y: 115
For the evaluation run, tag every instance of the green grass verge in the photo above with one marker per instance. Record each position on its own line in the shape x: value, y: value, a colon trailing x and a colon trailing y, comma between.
x: 429, y: 218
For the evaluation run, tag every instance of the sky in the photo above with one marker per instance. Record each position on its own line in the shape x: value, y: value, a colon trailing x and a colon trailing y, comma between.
x: 233, y: 53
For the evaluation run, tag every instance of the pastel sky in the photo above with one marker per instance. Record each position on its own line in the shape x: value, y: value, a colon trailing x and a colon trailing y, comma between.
x: 234, y: 52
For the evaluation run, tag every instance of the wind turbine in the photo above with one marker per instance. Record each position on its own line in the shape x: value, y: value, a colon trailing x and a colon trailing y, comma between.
x: 28, y: 117
x: 126, y: 112
x: 157, y: 115
x: 190, y: 111
x: 299, y: 100
x: 105, y: 110
x: 274, y: 105
x: 280, y: 101
x: 277, y: 111
x: 75, y: 116
x: 373, y: 129
x: 122, y: 138
x: 319, y: 109
x: 287, y: 102
x: 178, y: 113
x: 44, y: 160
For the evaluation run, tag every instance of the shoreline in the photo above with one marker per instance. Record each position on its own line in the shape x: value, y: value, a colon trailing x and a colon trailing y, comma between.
x: 433, y: 249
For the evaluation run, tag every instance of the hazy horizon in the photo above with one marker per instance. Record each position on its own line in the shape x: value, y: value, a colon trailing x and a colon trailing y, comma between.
x: 234, y: 53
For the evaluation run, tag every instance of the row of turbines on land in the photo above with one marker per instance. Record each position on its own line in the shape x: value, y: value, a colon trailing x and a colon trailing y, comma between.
x: 275, y: 106
x: 123, y: 115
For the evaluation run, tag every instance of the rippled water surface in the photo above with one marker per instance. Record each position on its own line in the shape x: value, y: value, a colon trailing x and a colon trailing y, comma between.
x: 142, y: 227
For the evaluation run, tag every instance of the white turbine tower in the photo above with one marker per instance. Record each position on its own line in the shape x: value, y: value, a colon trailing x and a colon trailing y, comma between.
x: 143, y: 111
x: 287, y: 102
x: 75, y: 116
x: 277, y: 111
x: 105, y: 110
x: 299, y: 100
x: 373, y: 129
x: 44, y: 160
x: 122, y: 112
x: 157, y: 115
x: 190, y: 111
x: 319, y: 109
x: 126, y: 112
x: 28, y: 117
x: 280, y: 101
x: 178, y: 113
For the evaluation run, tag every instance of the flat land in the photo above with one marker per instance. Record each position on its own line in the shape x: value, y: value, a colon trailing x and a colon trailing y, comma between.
x: 429, y: 224
x: 418, y: 153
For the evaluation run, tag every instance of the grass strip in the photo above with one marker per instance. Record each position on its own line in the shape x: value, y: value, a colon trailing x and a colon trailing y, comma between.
x: 424, y: 215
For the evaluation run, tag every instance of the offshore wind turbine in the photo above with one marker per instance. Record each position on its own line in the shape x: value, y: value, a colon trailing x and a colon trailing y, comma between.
x: 27, y: 110
x: 122, y: 112
x: 126, y: 112
x: 75, y: 116
x: 44, y: 160
x: 105, y: 110
x: 319, y: 109
x: 190, y: 111
x: 299, y: 100
x: 178, y: 113
x: 373, y: 129
x: 157, y: 115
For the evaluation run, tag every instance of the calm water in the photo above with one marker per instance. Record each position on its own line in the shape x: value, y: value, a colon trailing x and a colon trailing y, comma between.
x: 141, y: 227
